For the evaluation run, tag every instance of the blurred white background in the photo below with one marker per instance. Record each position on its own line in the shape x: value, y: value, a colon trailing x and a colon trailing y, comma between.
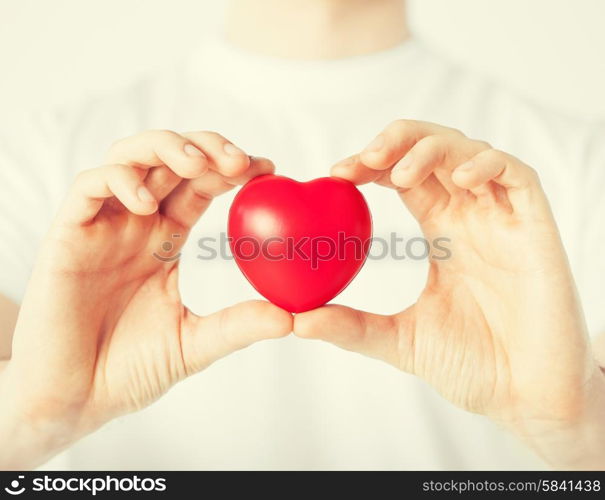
x: 56, y: 52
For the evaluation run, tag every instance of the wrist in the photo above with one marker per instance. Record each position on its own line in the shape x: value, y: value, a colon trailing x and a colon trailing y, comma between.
x: 29, y: 435
x: 24, y: 447
x: 576, y: 441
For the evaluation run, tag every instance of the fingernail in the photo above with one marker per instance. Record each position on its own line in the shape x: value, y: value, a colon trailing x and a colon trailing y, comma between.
x: 191, y: 150
x: 466, y: 166
x: 144, y: 194
x: 404, y: 163
x: 232, y: 150
x: 375, y: 145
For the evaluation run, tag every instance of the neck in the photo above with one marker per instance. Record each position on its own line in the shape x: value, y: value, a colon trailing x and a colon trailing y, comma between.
x: 316, y: 29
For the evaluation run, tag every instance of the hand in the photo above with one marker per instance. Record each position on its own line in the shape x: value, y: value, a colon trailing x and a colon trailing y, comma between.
x: 498, y: 329
x: 102, y: 330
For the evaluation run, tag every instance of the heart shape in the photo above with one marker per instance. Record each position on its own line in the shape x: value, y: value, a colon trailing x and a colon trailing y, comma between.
x: 299, y: 244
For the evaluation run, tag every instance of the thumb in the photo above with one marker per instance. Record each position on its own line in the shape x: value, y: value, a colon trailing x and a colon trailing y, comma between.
x: 374, y: 335
x: 205, y: 339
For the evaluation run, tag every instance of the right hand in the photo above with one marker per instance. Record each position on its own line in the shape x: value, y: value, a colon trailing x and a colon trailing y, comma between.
x: 102, y: 330
x: 498, y: 329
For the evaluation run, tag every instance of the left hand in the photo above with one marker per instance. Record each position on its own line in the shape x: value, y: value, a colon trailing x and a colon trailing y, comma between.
x: 103, y: 330
x: 498, y: 329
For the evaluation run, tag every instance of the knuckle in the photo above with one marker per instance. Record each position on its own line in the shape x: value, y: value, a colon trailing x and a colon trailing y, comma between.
x: 153, y: 133
x: 118, y: 144
x: 117, y: 173
x: 83, y: 175
x: 205, y: 134
x: 161, y: 136
x: 98, y: 175
x: 432, y: 141
x: 455, y: 132
x: 434, y: 146
x: 532, y: 174
x: 401, y: 126
x: 493, y: 155
x: 523, y: 170
x: 484, y: 145
x: 115, y: 169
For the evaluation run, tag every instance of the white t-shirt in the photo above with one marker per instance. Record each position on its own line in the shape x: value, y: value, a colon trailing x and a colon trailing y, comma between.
x: 291, y: 403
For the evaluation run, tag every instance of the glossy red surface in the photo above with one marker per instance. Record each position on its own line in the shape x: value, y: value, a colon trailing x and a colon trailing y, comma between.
x: 299, y: 244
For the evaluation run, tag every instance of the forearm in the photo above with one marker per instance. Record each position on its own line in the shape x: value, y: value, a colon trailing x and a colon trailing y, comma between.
x: 576, y: 444
x: 27, y: 441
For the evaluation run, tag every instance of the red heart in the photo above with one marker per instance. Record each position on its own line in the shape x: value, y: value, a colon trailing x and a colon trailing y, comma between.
x: 299, y: 244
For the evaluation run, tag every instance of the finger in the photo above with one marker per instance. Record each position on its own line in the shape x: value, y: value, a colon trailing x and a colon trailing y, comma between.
x: 427, y: 198
x: 487, y: 195
x: 396, y: 140
x: 420, y: 200
x: 154, y: 148
x: 257, y: 166
x: 191, y: 198
x: 161, y: 181
x: 225, y: 158
x: 93, y: 187
x: 373, y: 335
x: 209, y: 338
x: 435, y: 154
x: 520, y: 181
x: 352, y: 169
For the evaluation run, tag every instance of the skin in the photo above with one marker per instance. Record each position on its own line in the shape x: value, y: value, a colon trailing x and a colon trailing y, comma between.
x: 8, y: 318
x: 496, y: 331
x: 102, y: 320
x: 316, y: 29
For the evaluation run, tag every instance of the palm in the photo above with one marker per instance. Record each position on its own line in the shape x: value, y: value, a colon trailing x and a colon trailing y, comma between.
x: 102, y: 319
x: 498, y: 328
x: 137, y: 303
x: 478, y: 323
x: 128, y: 313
